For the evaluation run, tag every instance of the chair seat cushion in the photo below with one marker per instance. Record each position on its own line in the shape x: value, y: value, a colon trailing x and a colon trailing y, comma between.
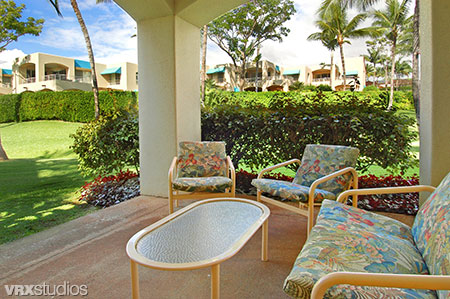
x: 353, y: 240
x: 290, y: 191
x: 203, y: 184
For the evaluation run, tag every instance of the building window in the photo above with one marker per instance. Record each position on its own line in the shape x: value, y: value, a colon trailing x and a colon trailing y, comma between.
x: 220, y: 77
x: 114, y: 79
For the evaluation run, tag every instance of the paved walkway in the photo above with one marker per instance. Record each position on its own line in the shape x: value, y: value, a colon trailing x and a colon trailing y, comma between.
x: 91, y: 250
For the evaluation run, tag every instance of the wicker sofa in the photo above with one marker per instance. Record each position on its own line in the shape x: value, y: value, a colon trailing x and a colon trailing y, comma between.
x: 352, y: 253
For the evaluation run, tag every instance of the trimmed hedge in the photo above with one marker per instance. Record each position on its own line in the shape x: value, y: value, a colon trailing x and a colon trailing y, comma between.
x: 73, y: 106
x: 268, y: 128
x: 9, y: 107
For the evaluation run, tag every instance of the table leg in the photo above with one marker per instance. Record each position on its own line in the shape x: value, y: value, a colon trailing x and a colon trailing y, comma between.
x: 265, y: 241
x: 215, y: 281
x: 134, y: 280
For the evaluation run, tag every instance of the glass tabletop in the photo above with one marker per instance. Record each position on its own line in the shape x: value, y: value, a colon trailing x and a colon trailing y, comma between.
x: 201, y: 233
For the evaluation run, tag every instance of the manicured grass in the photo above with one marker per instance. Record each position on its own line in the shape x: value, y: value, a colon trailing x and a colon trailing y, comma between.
x: 38, y: 184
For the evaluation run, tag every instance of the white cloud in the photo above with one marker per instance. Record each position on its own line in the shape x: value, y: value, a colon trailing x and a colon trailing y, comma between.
x: 295, y: 50
x: 7, y: 57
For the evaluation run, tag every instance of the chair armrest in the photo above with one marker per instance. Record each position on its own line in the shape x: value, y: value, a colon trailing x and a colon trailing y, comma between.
x: 172, y: 169
x: 233, y: 173
x: 342, y: 198
x: 260, y: 175
x: 406, y: 281
x: 323, y: 179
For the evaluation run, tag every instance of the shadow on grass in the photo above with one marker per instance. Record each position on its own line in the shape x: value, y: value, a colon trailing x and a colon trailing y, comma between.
x: 37, y: 194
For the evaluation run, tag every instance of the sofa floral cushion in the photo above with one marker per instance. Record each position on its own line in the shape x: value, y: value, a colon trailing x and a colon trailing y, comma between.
x: 321, y: 160
x: 205, y: 184
x: 431, y: 231
x: 350, y: 239
x: 202, y: 159
x: 290, y: 191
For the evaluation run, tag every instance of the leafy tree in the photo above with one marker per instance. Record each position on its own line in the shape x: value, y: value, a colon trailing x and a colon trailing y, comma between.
x: 240, y: 31
x: 334, y: 21
x: 329, y: 41
x: 11, y: 27
x: 402, y: 69
x: 392, y: 21
x: 296, y: 86
x: 87, y: 40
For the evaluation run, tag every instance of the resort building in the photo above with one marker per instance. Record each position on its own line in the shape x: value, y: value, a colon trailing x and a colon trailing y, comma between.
x: 269, y: 76
x: 5, y: 81
x: 39, y: 71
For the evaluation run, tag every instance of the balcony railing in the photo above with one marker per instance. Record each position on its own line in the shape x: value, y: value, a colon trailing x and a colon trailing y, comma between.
x: 327, y: 79
x: 29, y: 80
x: 82, y: 80
x: 56, y: 77
x: 6, y: 85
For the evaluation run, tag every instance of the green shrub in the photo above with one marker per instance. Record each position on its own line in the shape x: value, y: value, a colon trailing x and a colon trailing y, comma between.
x: 108, y: 145
x: 277, y: 127
x: 9, y: 107
x: 371, y: 88
x: 323, y: 87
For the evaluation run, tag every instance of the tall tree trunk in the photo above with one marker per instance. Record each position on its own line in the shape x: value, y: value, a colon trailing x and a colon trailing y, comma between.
x: 415, y: 62
x: 90, y: 53
x: 3, y: 155
x: 341, y: 48
x: 391, y: 96
x: 375, y: 74
x: 204, y: 44
x: 332, y: 69
x: 386, y: 76
x: 257, y: 70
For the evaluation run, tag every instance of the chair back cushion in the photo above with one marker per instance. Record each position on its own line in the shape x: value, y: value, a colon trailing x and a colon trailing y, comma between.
x: 321, y: 160
x: 202, y: 159
x: 431, y: 231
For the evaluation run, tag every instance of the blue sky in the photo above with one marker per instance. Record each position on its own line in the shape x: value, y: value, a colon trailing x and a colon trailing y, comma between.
x: 111, y: 29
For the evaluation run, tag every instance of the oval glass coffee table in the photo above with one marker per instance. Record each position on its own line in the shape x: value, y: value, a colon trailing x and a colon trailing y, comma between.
x: 203, y: 234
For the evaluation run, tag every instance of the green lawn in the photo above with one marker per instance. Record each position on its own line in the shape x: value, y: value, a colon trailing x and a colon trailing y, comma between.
x: 38, y: 184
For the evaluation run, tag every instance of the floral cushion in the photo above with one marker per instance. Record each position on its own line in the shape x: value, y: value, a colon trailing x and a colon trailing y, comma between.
x: 350, y: 239
x: 290, y: 191
x: 320, y: 160
x: 205, y: 184
x: 431, y: 231
x: 202, y: 159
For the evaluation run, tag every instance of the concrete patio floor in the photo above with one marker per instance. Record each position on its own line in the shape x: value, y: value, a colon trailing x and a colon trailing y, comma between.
x: 91, y: 250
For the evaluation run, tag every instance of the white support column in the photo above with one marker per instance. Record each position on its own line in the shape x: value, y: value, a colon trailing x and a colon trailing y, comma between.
x: 169, y: 95
x: 434, y: 91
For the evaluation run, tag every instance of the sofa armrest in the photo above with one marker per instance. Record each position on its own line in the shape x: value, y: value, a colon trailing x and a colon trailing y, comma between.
x: 407, y: 281
x: 260, y: 175
x: 232, y: 172
x: 342, y: 198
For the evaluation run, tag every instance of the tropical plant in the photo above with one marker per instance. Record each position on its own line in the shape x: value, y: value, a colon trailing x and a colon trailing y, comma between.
x: 241, y: 31
x: 87, y: 40
x: 392, y: 22
x: 330, y: 42
x: 11, y: 27
x: 333, y: 21
x: 296, y: 86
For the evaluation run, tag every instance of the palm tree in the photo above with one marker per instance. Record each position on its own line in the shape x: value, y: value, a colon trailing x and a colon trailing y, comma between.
x: 330, y: 42
x: 371, y: 71
x: 334, y: 21
x: 87, y: 39
x: 392, y: 22
x: 374, y: 57
x: 204, y: 45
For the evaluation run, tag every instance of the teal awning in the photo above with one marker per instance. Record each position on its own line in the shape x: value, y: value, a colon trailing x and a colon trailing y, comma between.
x: 216, y: 70
x: 291, y: 72
x: 112, y: 70
x: 277, y: 68
x: 82, y: 64
x: 6, y: 72
x: 352, y: 73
